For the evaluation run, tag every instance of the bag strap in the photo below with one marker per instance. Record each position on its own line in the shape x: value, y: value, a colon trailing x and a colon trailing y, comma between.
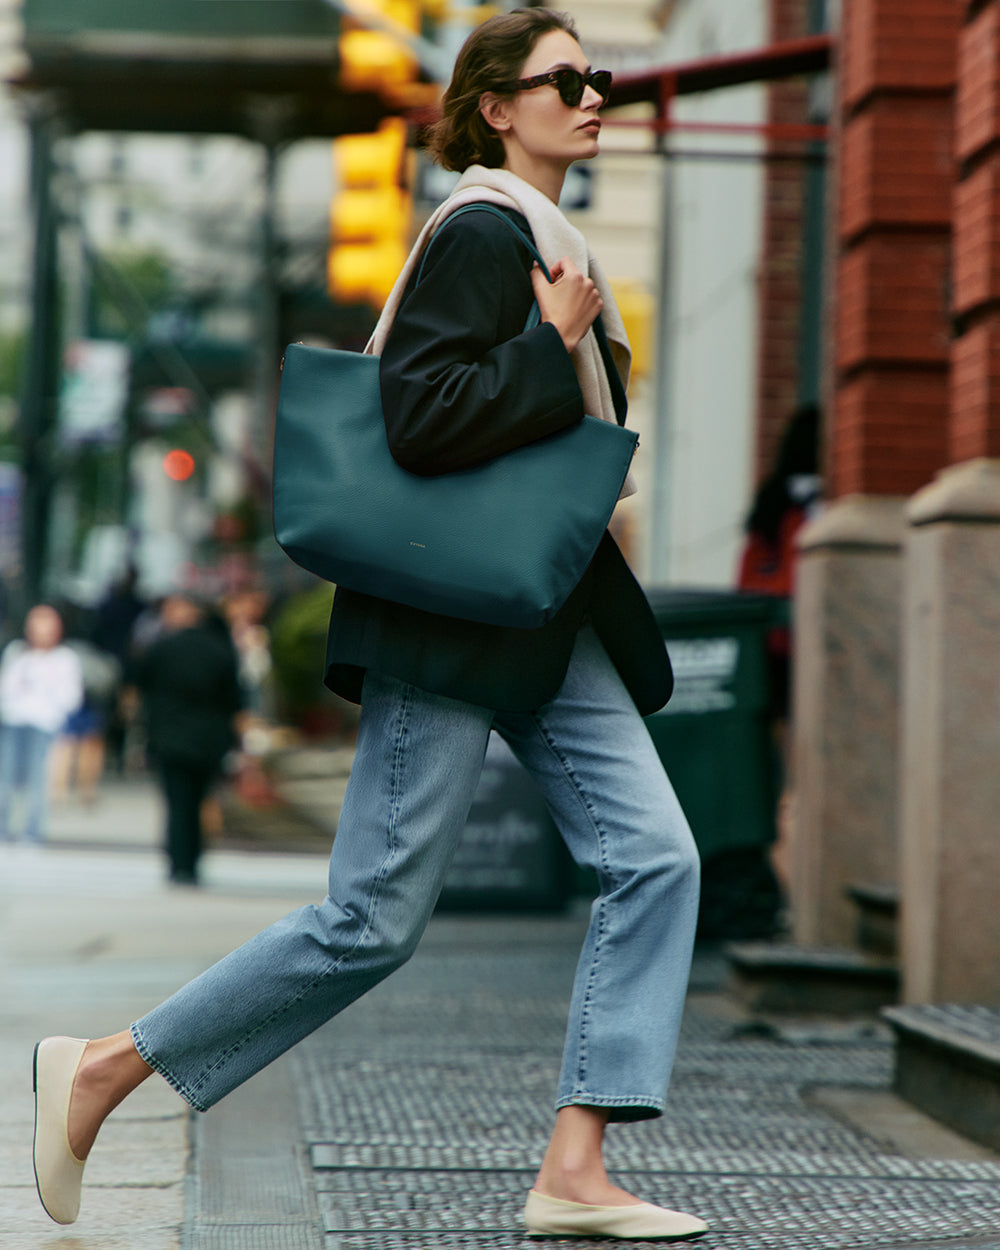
x: 534, y: 315
x: 482, y: 206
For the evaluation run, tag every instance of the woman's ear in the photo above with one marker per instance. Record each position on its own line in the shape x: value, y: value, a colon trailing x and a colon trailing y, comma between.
x: 495, y: 111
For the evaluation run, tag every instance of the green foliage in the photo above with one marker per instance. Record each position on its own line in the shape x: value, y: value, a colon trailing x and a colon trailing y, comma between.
x: 12, y: 348
x: 13, y: 345
x: 298, y: 647
x: 98, y: 475
x: 130, y: 286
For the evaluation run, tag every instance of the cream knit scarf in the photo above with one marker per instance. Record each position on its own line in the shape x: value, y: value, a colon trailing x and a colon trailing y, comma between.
x: 555, y: 238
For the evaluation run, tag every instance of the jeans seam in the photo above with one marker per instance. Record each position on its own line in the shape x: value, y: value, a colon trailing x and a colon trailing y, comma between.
x: 334, y: 967
x: 581, y: 1064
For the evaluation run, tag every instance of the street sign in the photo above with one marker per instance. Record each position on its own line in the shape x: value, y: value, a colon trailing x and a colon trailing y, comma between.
x: 94, y: 391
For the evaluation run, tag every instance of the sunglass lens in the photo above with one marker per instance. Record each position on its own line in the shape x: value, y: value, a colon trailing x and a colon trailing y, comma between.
x: 600, y: 80
x: 570, y: 86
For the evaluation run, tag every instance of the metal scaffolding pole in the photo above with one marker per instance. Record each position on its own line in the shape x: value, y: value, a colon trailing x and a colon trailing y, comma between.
x: 37, y: 418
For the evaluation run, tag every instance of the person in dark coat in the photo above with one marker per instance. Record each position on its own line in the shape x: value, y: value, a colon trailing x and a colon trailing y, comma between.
x: 115, y: 619
x: 463, y: 380
x: 189, y: 683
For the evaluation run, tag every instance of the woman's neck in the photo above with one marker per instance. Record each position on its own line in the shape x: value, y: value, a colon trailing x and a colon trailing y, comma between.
x: 542, y: 175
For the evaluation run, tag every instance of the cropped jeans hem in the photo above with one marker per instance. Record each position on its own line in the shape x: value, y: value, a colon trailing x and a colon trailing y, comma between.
x: 621, y: 1110
x: 162, y: 1070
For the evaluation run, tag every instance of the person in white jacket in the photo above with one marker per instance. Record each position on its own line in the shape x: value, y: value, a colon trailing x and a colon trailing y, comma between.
x: 41, y: 683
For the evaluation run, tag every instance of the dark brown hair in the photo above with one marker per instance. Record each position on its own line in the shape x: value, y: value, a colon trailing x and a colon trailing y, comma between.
x: 492, y: 55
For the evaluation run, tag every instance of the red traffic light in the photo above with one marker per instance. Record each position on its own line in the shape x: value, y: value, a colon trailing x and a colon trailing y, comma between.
x: 178, y: 464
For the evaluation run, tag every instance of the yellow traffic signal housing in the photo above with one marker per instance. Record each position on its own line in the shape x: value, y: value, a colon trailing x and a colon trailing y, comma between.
x: 370, y: 212
x: 375, y: 60
x: 365, y: 273
x: 638, y: 312
x: 369, y: 215
x: 372, y: 160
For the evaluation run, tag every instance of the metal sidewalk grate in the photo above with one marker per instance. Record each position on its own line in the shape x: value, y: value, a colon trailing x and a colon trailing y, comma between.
x: 427, y: 1107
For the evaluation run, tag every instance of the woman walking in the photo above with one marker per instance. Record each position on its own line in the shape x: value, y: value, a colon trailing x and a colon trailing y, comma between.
x: 463, y: 381
x: 41, y: 683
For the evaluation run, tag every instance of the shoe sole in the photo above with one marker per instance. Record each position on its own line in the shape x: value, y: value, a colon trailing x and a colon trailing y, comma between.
x: 613, y: 1236
x: 34, y: 1135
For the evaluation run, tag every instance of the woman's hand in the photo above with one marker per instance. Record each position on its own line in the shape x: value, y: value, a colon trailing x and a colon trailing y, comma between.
x: 570, y: 301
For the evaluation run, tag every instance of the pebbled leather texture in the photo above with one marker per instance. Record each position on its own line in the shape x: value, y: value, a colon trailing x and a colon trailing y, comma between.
x: 503, y: 543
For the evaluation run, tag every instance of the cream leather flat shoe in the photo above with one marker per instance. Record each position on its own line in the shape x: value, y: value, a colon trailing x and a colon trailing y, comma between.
x: 554, y: 1217
x: 58, y: 1172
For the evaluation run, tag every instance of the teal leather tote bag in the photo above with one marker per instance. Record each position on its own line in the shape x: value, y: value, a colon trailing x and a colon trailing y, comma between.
x: 503, y: 543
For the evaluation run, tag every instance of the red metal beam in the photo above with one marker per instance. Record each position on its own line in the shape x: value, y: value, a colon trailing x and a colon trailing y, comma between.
x: 779, y: 60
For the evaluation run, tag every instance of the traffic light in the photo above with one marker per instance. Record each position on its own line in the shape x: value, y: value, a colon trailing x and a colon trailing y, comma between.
x: 369, y: 215
x: 638, y: 312
x: 178, y: 464
x: 375, y: 59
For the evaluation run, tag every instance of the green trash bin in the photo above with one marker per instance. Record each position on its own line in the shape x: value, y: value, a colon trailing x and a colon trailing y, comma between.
x: 510, y: 856
x: 716, y: 742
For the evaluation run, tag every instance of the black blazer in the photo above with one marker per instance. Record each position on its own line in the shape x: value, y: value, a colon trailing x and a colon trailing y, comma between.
x: 461, y: 383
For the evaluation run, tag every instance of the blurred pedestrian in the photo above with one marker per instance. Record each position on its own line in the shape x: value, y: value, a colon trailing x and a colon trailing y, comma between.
x: 189, y: 685
x: 78, y: 754
x: 114, y: 623
x: 783, y: 502
x: 117, y: 613
x: 41, y: 683
x: 245, y: 611
x: 463, y: 380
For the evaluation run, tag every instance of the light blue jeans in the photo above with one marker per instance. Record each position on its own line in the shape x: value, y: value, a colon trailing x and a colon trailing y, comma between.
x: 24, y: 760
x: 417, y: 766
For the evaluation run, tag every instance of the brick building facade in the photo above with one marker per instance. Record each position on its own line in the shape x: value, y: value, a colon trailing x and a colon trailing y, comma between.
x: 974, y: 413
x: 781, y: 281
x: 913, y: 340
x: 892, y: 245
x: 897, y: 735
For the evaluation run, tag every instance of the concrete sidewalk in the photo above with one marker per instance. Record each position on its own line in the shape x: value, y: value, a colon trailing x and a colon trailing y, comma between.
x: 416, y: 1118
x: 91, y: 936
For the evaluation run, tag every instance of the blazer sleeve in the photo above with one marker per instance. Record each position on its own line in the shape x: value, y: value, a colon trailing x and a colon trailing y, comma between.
x: 461, y: 380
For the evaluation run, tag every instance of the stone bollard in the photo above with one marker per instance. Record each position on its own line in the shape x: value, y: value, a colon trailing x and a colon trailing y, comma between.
x: 950, y: 753
x: 847, y: 614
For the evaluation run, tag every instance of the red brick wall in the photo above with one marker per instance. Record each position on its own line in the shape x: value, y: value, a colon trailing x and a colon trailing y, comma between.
x: 974, y: 428
x: 897, y: 46
x: 779, y: 287
x: 891, y: 304
x: 892, y: 321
